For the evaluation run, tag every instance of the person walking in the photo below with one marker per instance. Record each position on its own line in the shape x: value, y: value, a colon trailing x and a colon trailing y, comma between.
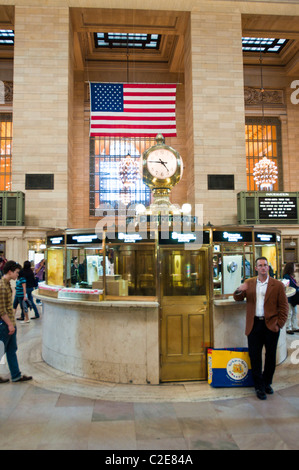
x: 8, y: 329
x: 289, y: 274
x: 3, y: 260
x: 266, y: 314
x: 28, y: 274
x: 20, y: 297
x: 39, y: 270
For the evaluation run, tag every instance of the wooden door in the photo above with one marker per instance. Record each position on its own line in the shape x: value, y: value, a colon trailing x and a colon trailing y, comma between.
x: 185, y: 315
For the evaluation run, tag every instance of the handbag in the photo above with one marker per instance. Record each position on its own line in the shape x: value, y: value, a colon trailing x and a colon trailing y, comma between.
x: 3, y: 335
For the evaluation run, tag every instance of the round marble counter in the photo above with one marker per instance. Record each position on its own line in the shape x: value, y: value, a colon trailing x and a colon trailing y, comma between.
x: 112, y: 341
x: 229, y: 318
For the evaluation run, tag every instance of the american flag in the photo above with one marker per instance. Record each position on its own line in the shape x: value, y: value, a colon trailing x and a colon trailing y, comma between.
x: 132, y: 110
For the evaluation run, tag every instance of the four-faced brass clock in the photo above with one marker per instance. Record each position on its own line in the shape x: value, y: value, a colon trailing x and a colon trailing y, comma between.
x: 162, y: 166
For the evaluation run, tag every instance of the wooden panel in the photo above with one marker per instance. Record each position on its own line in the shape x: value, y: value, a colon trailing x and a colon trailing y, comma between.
x: 195, y: 334
x: 119, y: 20
x: 7, y: 17
x: 171, y: 25
x: 185, y: 336
x: 174, y: 335
x: 286, y: 27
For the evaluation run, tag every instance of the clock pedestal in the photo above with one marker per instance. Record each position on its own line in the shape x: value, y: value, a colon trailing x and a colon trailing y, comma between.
x: 162, y: 170
x: 161, y: 197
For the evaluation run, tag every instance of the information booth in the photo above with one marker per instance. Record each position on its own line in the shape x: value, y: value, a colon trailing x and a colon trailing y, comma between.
x: 135, y: 309
x: 235, y: 250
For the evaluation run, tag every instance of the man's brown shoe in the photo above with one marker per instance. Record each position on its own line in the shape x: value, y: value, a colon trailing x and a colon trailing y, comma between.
x: 23, y: 378
x: 3, y: 381
x: 269, y: 390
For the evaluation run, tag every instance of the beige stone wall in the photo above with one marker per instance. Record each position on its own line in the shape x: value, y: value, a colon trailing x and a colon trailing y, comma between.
x: 218, y: 110
x: 51, y: 112
x: 291, y: 168
x: 189, y: 160
x: 40, y: 109
x: 79, y: 182
x: 279, y: 7
x: 70, y: 128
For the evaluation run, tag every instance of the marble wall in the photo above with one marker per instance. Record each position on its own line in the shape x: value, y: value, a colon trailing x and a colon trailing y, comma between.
x: 108, y: 341
x: 229, y: 319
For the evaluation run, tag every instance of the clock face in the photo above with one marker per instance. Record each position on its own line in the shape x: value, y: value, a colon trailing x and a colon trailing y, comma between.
x: 162, y: 163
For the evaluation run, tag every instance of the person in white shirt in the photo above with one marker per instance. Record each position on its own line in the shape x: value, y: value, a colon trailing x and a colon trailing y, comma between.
x: 266, y: 313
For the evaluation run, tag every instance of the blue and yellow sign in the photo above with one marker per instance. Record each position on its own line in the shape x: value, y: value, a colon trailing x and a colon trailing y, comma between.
x: 229, y: 368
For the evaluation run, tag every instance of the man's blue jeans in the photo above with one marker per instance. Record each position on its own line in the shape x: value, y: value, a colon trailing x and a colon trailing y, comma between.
x: 29, y: 291
x: 10, y: 345
x: 16, y: 302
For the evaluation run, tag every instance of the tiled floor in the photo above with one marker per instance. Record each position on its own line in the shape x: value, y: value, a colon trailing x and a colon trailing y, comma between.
x: 57, y: 411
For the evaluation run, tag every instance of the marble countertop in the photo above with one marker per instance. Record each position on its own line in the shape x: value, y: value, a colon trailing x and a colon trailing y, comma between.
x: 229, y: 301
x: 100, y: 304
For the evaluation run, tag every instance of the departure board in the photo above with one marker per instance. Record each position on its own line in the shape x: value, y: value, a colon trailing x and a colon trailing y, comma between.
x: 278, y: 207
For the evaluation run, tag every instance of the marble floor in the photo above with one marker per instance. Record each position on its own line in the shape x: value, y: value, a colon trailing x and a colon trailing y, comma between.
x: 56, y: 411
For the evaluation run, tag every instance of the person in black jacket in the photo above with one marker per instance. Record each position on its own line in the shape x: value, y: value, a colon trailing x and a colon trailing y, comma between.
x: 289, y: 273
x: 28, y: 274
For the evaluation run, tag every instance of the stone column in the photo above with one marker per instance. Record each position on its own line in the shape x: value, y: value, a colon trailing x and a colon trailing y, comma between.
x: 40, y: 110
x: 291, y: 158
x: 215, y: 109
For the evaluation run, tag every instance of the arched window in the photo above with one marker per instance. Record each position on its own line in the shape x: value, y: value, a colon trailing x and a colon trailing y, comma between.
x: 263, y: 138
x: 116, y: 172
x: 5, y: 151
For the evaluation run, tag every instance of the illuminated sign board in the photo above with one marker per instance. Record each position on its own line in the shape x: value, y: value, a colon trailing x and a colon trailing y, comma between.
x: 262, y: 207
x: 171, y: 218
x: 232, y: 237
x: 280, y: 206
x: 265, y: 237
x: 130, y: 237
x: 178, y: 238
x: 83, y: 238
x: 183, y: 237
x: 55, y: 241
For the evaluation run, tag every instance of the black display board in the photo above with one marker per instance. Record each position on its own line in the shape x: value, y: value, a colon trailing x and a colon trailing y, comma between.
x: 273, y: 208
x: 279, y: 207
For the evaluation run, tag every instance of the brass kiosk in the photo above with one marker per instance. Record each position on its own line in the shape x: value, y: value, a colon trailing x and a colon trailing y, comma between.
x: 132, y: 269
x: 191, y: 286
x: 177, y: 277
x: 184, y: 297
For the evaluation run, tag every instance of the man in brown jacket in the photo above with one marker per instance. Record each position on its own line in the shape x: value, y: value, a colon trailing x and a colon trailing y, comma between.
x: 267, y: 312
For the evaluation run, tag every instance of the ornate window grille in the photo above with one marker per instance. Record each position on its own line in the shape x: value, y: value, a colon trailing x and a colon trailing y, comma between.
x: 5, y: 151
x: 111, y: 181
x: 273, y: 45
x: 7, y: 37
x: 263, y: 137
x: 127, y: 40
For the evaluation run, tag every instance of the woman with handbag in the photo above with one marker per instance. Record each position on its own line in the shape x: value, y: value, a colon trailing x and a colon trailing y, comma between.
x: 28, y: 274
x: 289, y: 274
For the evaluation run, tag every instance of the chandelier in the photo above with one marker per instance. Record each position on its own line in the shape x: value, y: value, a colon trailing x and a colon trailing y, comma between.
x: 128, y: 174
x: 265, y: 174
x: 128, y: 171
x: 125, y: 196
x: 265, y: 171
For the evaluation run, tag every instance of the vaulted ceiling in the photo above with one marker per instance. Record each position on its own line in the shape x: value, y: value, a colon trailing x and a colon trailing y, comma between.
x: 171, y: 25
x: 285, y: 27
